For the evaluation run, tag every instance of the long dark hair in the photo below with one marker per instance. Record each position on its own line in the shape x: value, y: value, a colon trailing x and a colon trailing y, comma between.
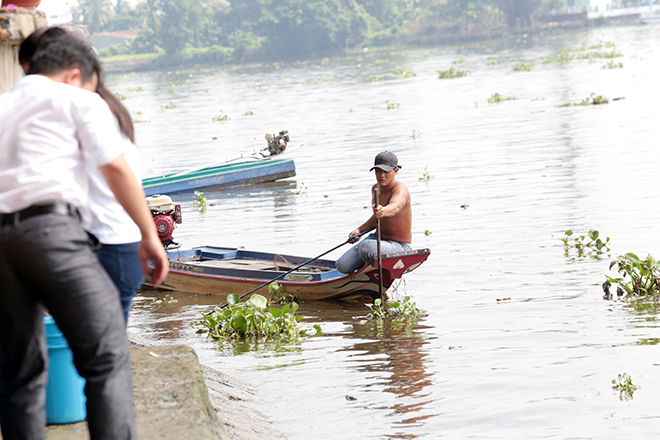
x: 41, y: 38
x: 121, y: 113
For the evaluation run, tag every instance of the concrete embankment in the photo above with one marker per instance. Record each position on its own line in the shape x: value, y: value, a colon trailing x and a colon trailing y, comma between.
x: 176, y: 398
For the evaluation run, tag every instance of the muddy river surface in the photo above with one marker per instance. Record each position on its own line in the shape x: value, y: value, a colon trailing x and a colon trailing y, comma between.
x: 518, y: 342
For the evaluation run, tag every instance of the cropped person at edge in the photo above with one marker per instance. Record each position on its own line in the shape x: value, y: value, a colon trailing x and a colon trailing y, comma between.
x: 117, y: 234
x: 50, y: 125
x: 395, y: 216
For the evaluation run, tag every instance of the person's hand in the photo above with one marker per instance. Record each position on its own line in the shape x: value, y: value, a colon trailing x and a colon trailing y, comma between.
x: 379, y: 211
x: 151, y: 249
x: 352, y: 237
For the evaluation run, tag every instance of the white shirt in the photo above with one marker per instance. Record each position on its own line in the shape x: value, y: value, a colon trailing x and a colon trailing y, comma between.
x: 48, y: 130
x: 110, y: 222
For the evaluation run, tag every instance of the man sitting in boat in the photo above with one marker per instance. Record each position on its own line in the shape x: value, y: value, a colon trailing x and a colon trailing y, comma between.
x: 395, y: 216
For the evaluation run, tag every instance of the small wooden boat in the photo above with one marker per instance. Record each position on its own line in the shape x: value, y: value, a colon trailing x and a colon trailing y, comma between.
x: 216, y: 270
x: 228, y: 174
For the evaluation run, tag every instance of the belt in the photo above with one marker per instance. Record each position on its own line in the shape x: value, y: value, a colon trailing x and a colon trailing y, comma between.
x: 59, y: 208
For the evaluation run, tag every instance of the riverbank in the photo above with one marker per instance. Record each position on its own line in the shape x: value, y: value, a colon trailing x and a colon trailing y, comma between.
x: 175, y: 397
x: 562, y: 22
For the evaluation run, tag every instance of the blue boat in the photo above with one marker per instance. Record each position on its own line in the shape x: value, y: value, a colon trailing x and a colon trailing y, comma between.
x: 234, y: 174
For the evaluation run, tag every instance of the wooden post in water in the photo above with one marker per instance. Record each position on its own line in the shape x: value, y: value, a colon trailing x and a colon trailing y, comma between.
x: 375, y: 201
x: 15, y: 25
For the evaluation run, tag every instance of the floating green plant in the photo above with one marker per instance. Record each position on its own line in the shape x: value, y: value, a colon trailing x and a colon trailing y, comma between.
x: 523, y: 67
x: 120, y: 96
x: 404, y: 73
x: 459, y: 61
x: 639, y: 277
x: 315, y: 81
x: 612, y: 65
x: 221, y: 117
x: 253, y: 320
x: 426, y: 177
x: 548, y: 60
x: 594, y: 55
x: 168, y: 106
x: 395, y: 310
x: 301, y: 189
x: 200, y: 203
x: 173, y: 84
x: 564, y: 58
x: 392, y: 105
x: 416, y: 134
x: 369, y: 79
x: 138, y: 89
x: 427, y: 232
x: 595, y: 246
x: 452, y: 72
x: 623, y: 384
x: 500, y: 98
x: 248, y: 113
x: 493, y: 63
x: 593, y: 99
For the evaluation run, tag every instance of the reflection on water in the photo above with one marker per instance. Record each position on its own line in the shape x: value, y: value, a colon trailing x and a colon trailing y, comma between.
x: 538, y: 365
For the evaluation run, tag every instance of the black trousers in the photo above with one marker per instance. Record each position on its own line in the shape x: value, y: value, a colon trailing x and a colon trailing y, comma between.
x: 46, y: 262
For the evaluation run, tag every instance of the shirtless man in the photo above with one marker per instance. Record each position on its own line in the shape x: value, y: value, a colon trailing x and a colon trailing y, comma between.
x: 393, y: 211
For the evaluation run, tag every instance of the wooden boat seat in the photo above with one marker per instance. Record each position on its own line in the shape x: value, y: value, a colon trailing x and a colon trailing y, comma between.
x: 240, y: 263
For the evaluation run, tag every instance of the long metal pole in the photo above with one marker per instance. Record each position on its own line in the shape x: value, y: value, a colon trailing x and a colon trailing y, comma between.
x: 376, y: 197
x: 295, y: 268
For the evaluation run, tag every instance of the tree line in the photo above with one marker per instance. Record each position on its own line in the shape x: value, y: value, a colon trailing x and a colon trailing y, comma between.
x: 240, y: 30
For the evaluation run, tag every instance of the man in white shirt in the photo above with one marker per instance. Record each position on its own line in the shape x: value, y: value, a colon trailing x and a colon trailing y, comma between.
x: 50, y: 124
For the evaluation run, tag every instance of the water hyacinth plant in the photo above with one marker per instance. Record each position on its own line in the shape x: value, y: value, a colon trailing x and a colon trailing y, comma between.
x: 252, y: 320
x: 595, y: 245
x: 452, y: 72
x: 639, y: 277
x: 623, y: 384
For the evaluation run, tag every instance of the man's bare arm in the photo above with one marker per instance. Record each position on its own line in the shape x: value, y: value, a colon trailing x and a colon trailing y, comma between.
x: 397, y: 202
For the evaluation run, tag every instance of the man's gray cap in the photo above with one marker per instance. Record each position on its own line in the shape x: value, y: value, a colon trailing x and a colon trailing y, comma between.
x: 386, y: 161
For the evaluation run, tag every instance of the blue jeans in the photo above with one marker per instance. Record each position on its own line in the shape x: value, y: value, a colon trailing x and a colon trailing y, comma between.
x: 46, y: 262
x: 122, y: 263
x: 366, y: 250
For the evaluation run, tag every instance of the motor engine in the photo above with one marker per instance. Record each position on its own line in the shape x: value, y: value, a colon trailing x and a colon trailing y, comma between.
x: 166, y: 216
x: 276, y: 143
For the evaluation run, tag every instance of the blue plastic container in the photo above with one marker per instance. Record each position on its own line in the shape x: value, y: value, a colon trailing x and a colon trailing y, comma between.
x: 65, y: 396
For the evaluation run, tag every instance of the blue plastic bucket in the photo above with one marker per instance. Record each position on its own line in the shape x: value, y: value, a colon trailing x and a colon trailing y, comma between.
x: 65, y: 395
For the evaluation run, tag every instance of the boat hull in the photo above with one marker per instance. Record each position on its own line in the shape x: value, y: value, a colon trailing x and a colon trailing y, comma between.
x: 238, y: 271
x: 244, y: 173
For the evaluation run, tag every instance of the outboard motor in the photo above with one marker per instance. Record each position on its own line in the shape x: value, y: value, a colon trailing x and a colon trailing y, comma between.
x: 276, y: 143
x: 166, y: 216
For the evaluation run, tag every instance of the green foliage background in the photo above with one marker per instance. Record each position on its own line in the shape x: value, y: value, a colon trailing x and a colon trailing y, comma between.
x: 245, y: 30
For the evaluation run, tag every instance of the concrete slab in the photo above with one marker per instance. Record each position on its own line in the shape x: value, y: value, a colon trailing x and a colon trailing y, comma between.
x: 176, y: 398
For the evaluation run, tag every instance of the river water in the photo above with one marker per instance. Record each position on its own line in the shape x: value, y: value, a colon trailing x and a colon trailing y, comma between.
x: 478, y: 365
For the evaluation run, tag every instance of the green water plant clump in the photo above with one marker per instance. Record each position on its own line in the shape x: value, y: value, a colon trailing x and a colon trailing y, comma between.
x: 592, y: 99
x: 200, y: 203
x: 595, y: 245
x: 221, y: 117
x: 638, y: 277
x: 253, y: 320
x: 452, y: 72
x: 500, y: 98
x: 612, y: 65
x: 395, y: 310
x: 523, y: 67
x: 623, y: 384
x: 404, y: 73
